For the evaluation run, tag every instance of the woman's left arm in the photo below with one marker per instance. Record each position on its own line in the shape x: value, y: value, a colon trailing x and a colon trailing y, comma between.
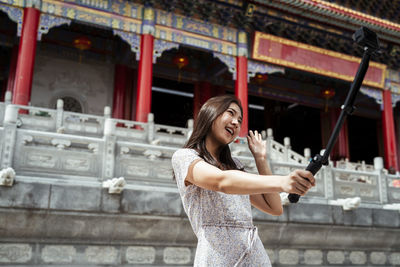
x: 269, y: 203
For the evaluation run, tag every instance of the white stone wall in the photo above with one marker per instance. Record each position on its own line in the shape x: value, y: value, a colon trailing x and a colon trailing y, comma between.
x: 91, y: 83
x: 83, y: 255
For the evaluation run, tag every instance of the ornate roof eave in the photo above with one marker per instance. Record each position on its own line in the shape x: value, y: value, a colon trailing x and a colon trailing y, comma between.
x: 330, y: 13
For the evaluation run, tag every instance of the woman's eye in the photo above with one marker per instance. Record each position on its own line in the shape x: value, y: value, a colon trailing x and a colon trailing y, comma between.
x: 230, y: 112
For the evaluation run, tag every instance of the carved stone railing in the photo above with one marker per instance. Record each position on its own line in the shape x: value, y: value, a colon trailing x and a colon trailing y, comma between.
x: 66, y: 146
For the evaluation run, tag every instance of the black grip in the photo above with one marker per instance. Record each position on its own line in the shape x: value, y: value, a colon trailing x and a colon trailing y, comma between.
x: 314, y: 166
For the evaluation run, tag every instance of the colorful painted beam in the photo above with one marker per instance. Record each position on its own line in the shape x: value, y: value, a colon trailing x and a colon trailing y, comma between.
x: 288, y: 53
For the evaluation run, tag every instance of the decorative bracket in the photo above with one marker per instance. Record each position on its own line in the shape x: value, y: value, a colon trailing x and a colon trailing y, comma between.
x: 255, y: 67
x: 48, y: 21
x: 15, y: 14
x: 373, y: 93
x: 160, y: 46
x: 132, y: 39
x: 230, y: 61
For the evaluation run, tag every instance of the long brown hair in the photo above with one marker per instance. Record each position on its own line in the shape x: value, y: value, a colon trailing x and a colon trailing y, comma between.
x: 214, y: 107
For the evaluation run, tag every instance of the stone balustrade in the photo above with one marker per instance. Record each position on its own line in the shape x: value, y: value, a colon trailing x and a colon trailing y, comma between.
x: 41, y: 142
x: 55, y: 210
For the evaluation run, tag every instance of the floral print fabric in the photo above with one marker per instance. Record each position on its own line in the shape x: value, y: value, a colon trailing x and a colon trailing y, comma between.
x: 222, y: 222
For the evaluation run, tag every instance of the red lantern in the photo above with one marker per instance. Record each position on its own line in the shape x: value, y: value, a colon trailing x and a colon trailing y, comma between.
x: 327, y: 94
x: 82, y: 43
x: 181, y: 61
x: 260, y: 78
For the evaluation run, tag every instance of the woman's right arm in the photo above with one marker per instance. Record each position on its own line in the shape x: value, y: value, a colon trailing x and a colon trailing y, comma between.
x: 210, y: 177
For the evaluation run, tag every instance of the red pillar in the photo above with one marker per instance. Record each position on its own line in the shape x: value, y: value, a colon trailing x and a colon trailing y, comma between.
x: 389, y: 137
x: 128, y: 94
x: 341, y: 148
x: 145, y: 73
x: 26, y: 57
x: 202, y: 92
x: 119, y: 91
x: 241, y: 90
x: 13, y: 66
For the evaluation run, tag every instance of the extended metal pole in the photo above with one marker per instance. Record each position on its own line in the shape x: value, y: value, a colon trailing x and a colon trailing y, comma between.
x: 369, y: 40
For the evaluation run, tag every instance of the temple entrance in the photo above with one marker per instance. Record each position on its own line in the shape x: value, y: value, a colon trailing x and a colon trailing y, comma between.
x: 363, y: 133
x: 8, y: 53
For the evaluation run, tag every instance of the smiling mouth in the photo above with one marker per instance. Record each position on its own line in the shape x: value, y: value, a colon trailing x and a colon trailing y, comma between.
x: 229, y: 130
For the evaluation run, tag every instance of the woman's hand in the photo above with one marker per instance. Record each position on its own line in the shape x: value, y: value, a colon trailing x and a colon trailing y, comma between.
x: 298, y: 182
x: 257, y: 146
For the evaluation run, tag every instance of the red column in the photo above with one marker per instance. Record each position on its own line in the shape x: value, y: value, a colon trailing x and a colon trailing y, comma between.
x: 145, y: 73
x: 133, y: 73
x: 119, y: 91
x: 13, y: 66
x: 241, y: 90
x: 202, y: 92
x: 341, y: 148
x: 389, y: 137
x: 26, y: 57
x: 128, y: 94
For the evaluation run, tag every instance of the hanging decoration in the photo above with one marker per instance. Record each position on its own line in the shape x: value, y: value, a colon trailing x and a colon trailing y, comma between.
x: 82, y: 43
x: 181, y: 61
x: 327, y: 94
x: 260, y: 78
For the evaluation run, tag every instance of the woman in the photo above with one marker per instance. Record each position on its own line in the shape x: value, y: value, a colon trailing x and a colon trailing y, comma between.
x: 217, y: 194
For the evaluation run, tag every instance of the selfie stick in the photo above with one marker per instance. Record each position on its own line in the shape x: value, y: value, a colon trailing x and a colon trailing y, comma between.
x: 369, y: 41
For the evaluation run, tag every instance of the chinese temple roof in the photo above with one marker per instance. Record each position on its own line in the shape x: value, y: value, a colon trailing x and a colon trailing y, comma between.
x: 326, y: 24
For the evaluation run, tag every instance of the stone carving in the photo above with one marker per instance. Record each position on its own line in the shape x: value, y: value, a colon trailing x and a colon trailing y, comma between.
x: 17, y: 253
x: 395, y: 258
x: 94, y: 147
x: 101, y: 254
x: 173, y: 255
x: 41, y: 160
x: 137, y: 170
x: 115, y: 185
x: 140, y: 255
x: 152, y: 154
x: 358, y: 257
x: 61, y: 130
x: 7, y: 177
x: 77, y: 164
x: 238, y: 150
x: 124, y: 150
x: 313, y: 257
x: 378, y: 258
x: 289, y: 256
x: 349, y: 203
x: 59, y: 254
x: 27, y: 139
x: 335, y: 257
x: 60, y: 143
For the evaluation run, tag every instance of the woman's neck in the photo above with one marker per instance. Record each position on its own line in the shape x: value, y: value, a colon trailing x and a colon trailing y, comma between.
x: 213, y: 148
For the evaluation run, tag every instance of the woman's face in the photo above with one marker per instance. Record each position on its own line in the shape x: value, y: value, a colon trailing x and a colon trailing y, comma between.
x: 226, y: 126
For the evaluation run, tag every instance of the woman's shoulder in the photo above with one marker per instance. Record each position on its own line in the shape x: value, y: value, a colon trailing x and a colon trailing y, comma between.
x: 184, y: 152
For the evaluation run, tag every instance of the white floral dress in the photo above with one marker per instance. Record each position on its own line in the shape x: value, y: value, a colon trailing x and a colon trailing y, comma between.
x: 222, y: 222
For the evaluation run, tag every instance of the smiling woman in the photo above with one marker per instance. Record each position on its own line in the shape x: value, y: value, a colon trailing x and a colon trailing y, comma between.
x: 217, y: 193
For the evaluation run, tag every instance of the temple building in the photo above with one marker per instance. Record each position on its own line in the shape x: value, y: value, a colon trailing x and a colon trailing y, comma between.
x: 96, y: 93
